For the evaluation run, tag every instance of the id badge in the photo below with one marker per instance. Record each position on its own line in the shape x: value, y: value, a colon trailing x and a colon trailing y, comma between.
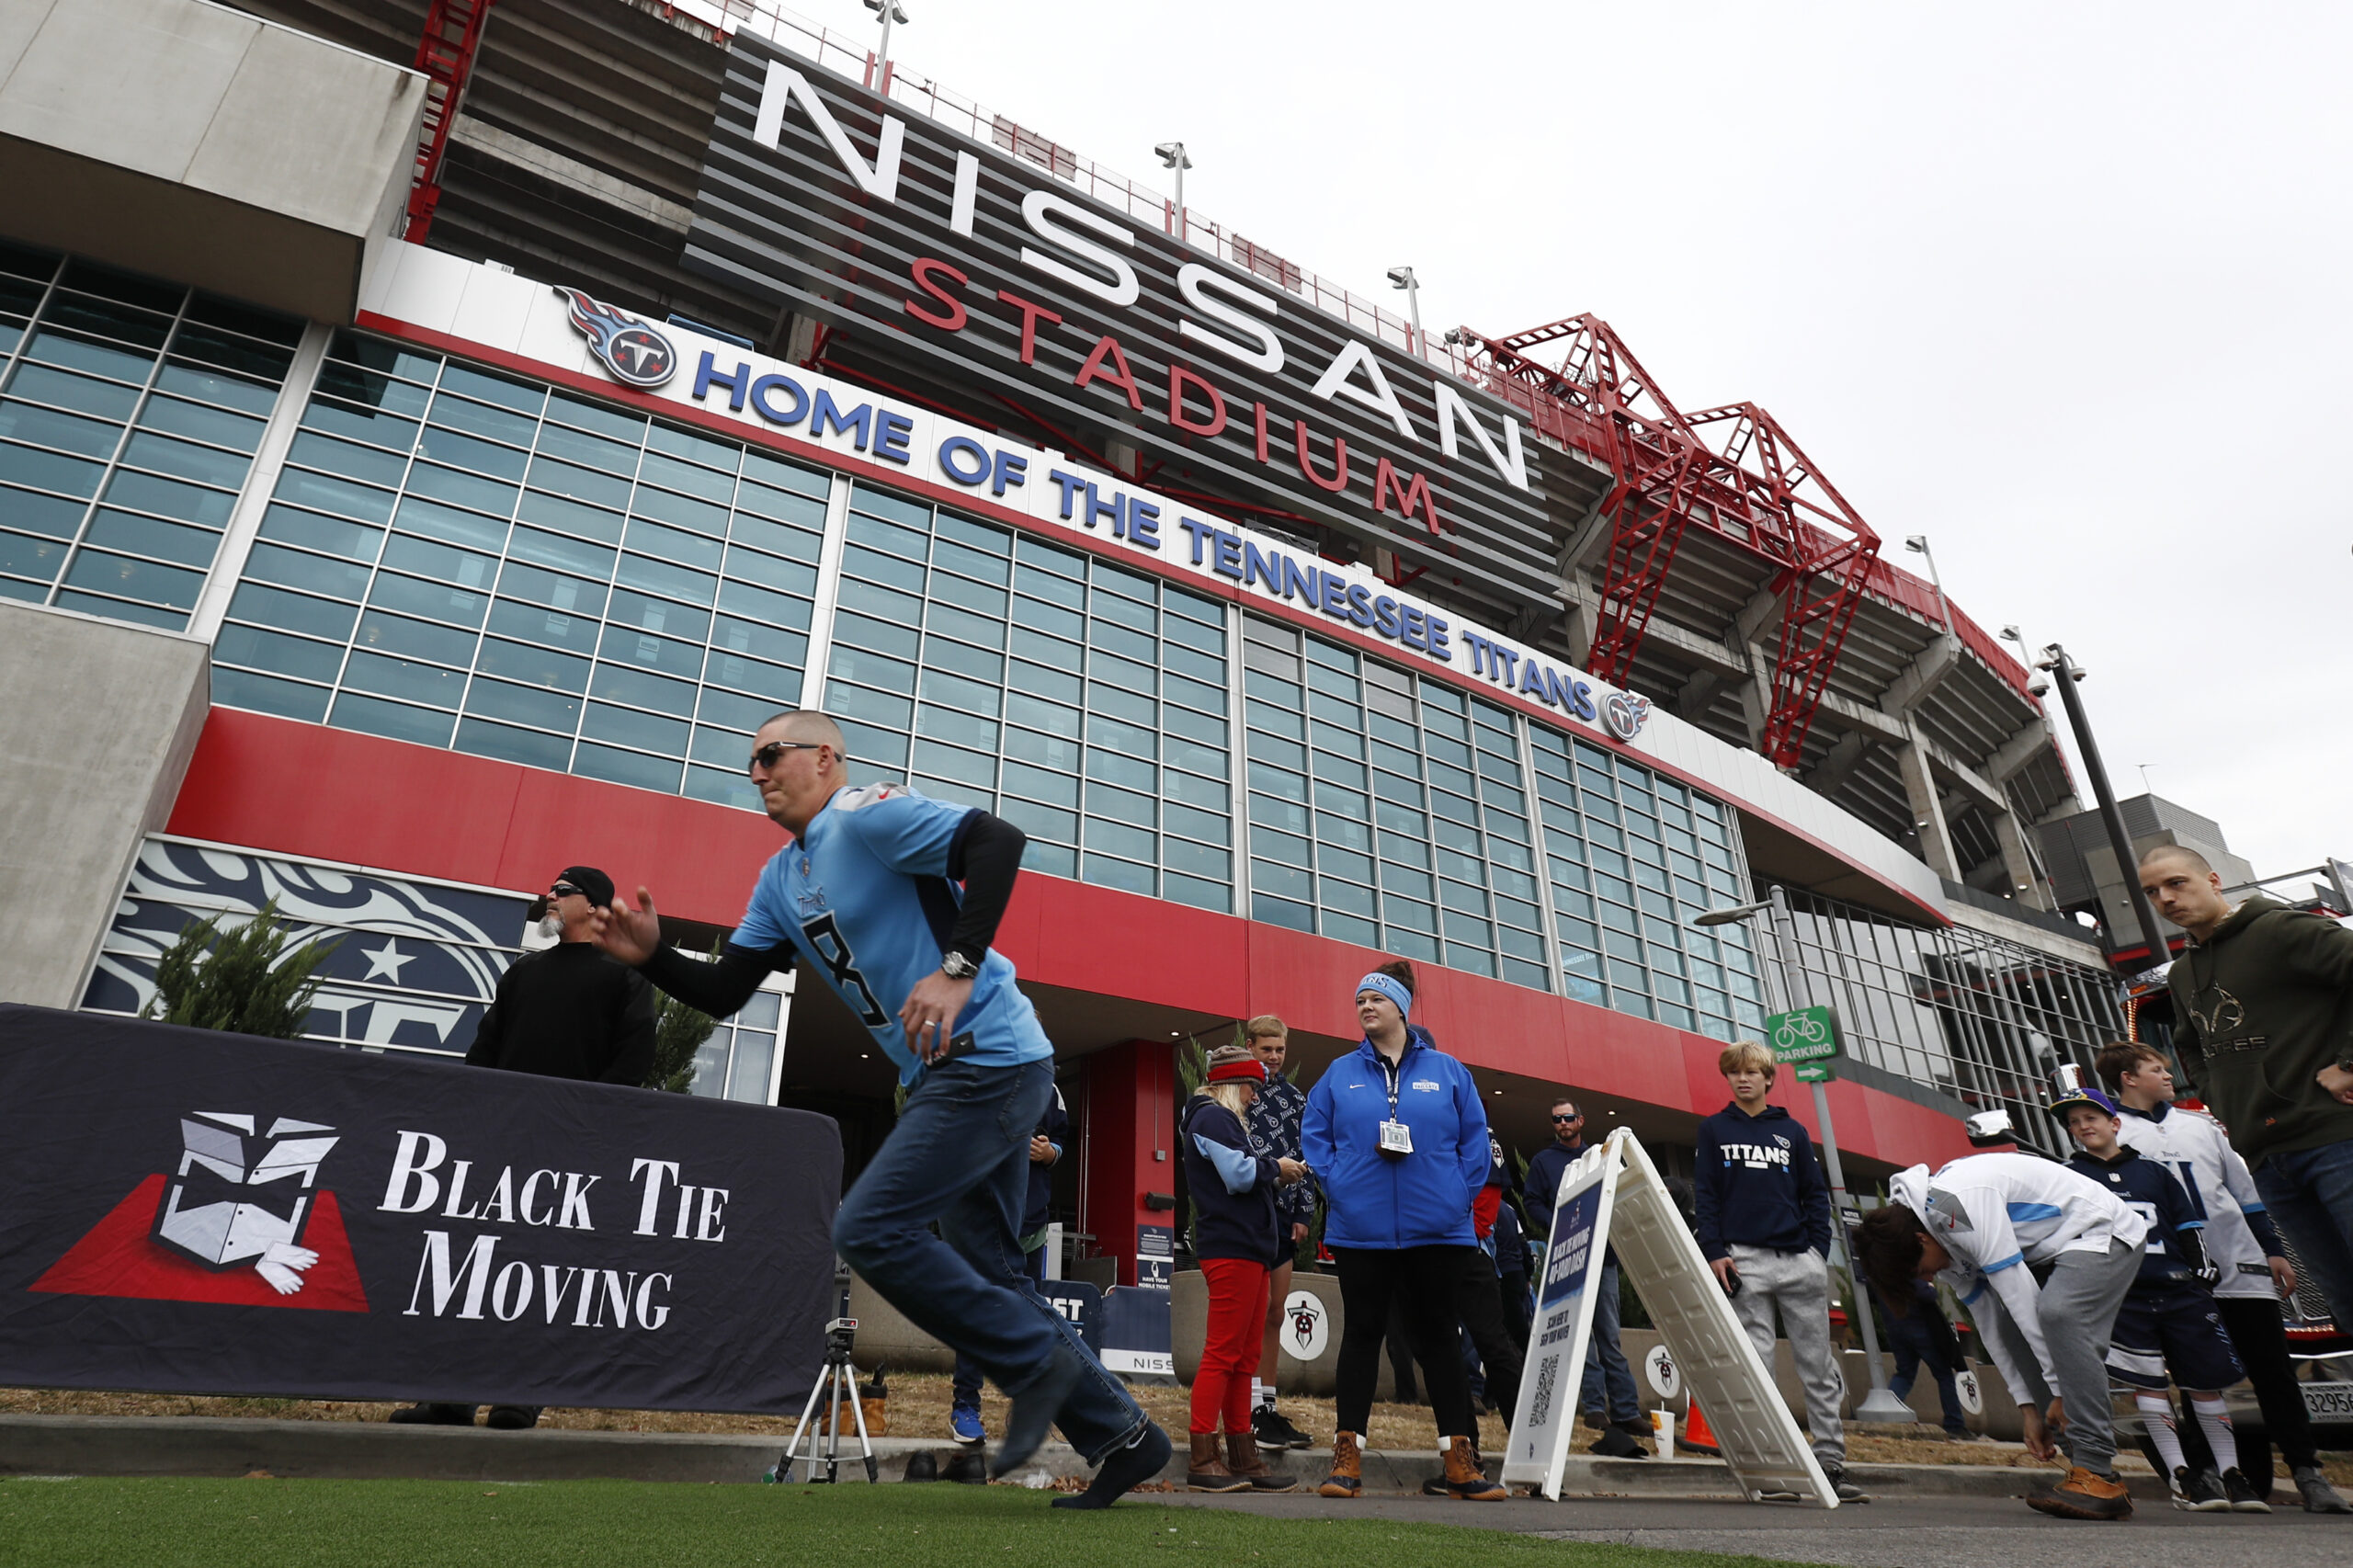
x: 1396, y: 1137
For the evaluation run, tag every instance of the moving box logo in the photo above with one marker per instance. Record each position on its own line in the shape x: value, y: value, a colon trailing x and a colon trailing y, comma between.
x: 240, y: 1221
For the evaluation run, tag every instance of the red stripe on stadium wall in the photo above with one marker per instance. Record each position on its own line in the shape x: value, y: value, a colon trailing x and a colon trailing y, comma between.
x: 306, y: 790
x: 978, y: 506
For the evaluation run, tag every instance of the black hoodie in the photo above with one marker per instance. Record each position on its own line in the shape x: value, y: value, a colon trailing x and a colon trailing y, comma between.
x: 1758, y: 1184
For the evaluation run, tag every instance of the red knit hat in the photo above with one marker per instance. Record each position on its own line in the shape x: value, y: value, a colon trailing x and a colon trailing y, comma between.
x: 1235, y: 1064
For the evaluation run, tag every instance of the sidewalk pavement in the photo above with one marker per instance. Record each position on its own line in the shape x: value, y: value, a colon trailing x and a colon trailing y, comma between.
x: 134, y: 1445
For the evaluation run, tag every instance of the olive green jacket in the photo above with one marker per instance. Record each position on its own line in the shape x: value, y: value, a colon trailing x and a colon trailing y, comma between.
x: 2261, y: 1007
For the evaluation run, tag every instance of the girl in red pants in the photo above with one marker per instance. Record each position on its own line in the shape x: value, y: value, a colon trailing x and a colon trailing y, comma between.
x: 1234, y: 1237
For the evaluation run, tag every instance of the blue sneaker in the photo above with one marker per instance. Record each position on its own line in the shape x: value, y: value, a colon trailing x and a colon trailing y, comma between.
x: 964, y: 1421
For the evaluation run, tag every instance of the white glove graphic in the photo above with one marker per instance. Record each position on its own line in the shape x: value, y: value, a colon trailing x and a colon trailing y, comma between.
x: 279, y: 1266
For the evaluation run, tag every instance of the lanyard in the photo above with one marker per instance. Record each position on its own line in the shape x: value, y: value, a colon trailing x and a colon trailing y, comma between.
x: 1394, y: 1073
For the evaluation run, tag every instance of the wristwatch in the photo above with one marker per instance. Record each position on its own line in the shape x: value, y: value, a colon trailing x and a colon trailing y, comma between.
x: 956, y: 966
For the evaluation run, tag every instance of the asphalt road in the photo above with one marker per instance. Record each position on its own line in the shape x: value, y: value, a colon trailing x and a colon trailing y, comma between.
x: 1938, y: 1532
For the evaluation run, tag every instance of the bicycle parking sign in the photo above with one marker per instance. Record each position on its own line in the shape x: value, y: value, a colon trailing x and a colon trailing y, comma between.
x: 1806, y: 1037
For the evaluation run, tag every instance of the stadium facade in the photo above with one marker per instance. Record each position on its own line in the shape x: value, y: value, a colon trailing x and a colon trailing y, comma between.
x: 432, y: 438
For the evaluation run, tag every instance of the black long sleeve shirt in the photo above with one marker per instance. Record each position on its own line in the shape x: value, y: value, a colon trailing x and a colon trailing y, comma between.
x: 569, y: 1012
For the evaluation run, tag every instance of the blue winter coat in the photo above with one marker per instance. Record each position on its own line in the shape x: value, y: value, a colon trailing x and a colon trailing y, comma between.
x: 1420, y: 1199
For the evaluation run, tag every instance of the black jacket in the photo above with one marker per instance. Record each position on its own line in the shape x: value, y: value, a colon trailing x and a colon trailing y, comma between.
x: 569, y: 1012
x: 2261, y: 1006
x: 1758, y: 1184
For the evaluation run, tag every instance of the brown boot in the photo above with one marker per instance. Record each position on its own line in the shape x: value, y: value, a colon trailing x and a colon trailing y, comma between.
x: 1243, y: 1458
x: 1207, y: 1472
x: 1346, y: 1479
x: 1464, y: 1477
x: 2083, y: 1495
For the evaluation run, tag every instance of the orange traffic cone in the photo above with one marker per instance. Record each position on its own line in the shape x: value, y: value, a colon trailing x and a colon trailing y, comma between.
x: 1695, y: 1436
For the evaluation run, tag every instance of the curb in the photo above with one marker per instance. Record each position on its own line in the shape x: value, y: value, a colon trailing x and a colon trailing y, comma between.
x: 351, y: 1450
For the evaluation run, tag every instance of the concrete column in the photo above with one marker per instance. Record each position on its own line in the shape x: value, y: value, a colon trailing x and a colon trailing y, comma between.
x: 1928, y: 810
x: 2015, y: 863
x: 1128, y: 1129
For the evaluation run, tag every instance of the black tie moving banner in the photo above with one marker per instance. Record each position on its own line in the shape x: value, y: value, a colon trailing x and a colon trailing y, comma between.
x: 191, y: 1211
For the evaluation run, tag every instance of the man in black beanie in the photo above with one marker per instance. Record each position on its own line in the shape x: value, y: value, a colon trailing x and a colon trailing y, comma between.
x: 566, y: 1011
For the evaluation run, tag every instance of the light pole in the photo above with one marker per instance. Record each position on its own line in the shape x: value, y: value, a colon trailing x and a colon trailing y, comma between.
x: 2036, y: 686
x: 1880, y: 1404
x: 1944, y: 611
x: 1172, y: 155
x: 1403, y: 278
x: 2062, y: 670
x: 890, y: 11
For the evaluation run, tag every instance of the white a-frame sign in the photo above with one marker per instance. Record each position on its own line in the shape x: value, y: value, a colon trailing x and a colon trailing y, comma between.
x: 1613, y: 1197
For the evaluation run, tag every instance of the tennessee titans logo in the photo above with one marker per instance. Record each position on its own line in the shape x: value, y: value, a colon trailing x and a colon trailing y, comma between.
x: 635, y: 353
x: 1625, y: 713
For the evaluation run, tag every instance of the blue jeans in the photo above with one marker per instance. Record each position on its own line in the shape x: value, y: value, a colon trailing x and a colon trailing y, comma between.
x: 1909, y: 1338
x: 2310, y: 1195
x: 1605, y: 1364
x: 959, y: 1156
x: 965, y: 1389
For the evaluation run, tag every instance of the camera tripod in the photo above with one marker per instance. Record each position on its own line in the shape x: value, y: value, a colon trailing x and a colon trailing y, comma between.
x: 836, y: 1380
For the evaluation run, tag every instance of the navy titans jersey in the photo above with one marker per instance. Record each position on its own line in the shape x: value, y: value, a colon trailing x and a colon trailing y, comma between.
x: 2150, y: 1191
x: 865, y: 901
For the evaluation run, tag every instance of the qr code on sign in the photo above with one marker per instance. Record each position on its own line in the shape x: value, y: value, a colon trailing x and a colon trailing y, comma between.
x: 1545, y: 1375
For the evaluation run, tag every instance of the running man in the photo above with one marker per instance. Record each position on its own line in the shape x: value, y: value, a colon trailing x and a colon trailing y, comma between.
x: 867, y: 893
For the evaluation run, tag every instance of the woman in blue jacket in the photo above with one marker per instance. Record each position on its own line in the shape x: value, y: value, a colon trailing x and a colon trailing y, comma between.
x: 1396, y: 1137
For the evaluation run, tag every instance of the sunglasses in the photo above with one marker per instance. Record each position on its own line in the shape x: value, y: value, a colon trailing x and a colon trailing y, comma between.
x: 771, y: 754
x: 1578, y: 1116
x: 563, y: 890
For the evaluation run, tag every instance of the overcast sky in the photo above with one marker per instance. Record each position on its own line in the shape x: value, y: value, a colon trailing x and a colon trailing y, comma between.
x: 2063, y: 287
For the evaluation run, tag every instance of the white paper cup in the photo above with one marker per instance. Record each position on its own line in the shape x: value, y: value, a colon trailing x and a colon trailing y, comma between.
x: 1663, y: 1431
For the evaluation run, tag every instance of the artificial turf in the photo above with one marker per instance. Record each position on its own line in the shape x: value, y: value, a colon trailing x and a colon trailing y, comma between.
x: 600, y: 1524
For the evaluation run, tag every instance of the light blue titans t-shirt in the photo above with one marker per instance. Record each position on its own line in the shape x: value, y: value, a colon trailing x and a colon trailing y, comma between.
x: 865, y: 899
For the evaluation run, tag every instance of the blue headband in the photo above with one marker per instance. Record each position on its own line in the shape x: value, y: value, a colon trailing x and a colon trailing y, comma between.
x: 1389, y: 986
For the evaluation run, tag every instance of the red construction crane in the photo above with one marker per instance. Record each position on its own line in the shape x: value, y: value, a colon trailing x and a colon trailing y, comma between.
x: 446, y: 56
x: 1731, y: 469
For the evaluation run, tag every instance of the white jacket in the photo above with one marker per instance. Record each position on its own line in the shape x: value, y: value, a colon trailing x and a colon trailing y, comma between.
x: 1995, y: 1214
x: 2193, y: 1146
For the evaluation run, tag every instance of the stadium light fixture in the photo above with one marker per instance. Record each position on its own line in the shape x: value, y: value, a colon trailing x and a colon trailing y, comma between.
x: 1172, y: 155
x: 1918, y: 543
x: 1403, y: 278
x: 1731, y: 916
x: 890, y: 11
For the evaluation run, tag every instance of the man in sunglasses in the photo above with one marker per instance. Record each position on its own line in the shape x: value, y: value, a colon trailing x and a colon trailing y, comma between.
x: 893, y: 900
x: 564, y: 1011
x: 1606, y: 1398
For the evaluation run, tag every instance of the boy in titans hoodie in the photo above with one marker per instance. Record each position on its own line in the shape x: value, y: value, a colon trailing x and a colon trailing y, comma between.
x: 1764, y: 1226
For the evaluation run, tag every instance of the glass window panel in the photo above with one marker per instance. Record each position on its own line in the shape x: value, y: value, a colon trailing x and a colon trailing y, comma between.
x: 1105, y: 871
x: 188, y: 503
x: 673, y: 544
x: 50, y: 428
x: 199, y: 423
x: 462, y: 489
x: 42, y: 513
x: 1113, y: 768
x: 594, y: 761
x: 83, y: 394
x: 623, y: 726
x: 775, y: 685
x: 278, y: 652
x: 578, y: 484
x: 969, y: 627
x: 119, y: 610
x: 872, y: 669
x: 975, y: 696
x: 414, y: 596
x: 414, y: 639
x: 681, y: 511
x: 532, y: 666
x: 333, y: 493
x: 947, y: 723
x: 427, y: 557
x: 525, y: 705
x: 48, y: 471
x: 359, y: 386
x: 662, y: 577
x: 858, y: 702
x: 620, y: 683
x: 808, y: 511
x: 405, y: 678
x: 29, y: 557
x: 266, y: 694
x: 793, y: 543
x: 988, y: 567
x: 867, y: 598
x: 134, y: 579
x: 394, y: 720
x: 83, y: 354
x: 297, y: 612
x: 450, y: 525
x: 976, y: 770
x: 151, y: 536
x: 478, y: 384
x: 344, y: 457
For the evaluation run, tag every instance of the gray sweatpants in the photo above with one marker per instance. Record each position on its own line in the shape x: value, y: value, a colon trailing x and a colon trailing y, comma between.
x: 1799, y: 1284
x: 2077, y: 1302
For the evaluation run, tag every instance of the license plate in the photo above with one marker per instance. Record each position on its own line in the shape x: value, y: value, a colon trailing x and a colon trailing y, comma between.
x: 2329, y: 1402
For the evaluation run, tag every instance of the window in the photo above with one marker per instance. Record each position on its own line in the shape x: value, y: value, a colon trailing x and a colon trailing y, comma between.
x: 129, y: 411
x: 1081, y: 702
x: 463, y: 559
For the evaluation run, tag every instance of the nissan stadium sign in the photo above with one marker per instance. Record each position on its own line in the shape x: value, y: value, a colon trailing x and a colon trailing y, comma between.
x: 982, y: 270
x: 783, y: 404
